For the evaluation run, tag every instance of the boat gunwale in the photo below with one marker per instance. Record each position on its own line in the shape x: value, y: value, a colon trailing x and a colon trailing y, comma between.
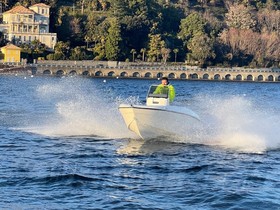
x: 161, y: 108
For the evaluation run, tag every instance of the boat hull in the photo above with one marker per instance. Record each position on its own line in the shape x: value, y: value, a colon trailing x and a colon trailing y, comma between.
x: 151, y: 122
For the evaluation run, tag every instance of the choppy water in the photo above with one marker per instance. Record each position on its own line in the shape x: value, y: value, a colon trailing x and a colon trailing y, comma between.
x: 63, y: 145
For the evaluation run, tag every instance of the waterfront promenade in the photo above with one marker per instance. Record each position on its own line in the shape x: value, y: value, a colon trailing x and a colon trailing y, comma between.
x: 152, y: 71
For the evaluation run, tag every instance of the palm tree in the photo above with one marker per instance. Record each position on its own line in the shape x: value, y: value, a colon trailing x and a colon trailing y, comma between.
x: 143, y: 51
x: 175, y: 52
x: 133, y: 51
x: 165, y: 54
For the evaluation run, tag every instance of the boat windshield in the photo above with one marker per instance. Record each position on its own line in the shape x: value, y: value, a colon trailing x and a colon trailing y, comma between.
x: 158, y: 91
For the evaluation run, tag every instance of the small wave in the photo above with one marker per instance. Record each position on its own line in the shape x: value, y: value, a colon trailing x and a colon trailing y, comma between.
x: 49, y: 180
x: 256, y: 178
x: 67, y: 177
x: 194, y: 168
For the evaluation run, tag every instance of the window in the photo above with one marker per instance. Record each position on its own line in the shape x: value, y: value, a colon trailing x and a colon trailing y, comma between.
x: 43, y: 11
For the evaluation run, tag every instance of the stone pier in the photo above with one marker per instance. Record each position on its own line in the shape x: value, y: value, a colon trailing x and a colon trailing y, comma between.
x: 102, y: 69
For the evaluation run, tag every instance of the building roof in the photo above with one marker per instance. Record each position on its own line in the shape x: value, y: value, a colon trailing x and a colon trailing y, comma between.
x: 19, y: 10
x: 40, y: 5
x: 11, y: 47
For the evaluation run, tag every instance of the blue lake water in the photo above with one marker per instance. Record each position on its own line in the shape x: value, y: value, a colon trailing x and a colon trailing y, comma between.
x: 64, y: 145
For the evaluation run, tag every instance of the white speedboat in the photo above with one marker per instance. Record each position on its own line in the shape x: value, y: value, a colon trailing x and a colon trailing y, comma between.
x: 157, y: 117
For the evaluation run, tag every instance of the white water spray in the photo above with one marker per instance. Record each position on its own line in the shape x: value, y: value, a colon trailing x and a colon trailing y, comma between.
x: 81, y: 108
x: 236, y: 123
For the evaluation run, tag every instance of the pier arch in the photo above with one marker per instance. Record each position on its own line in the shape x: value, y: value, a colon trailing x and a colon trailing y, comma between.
x: 148, y: 75
x: 205, y: 76
x: 194, y: 76
x: 60, y: 72
x: 124, y: 74
x: 159, y: 75
x: 171, y: 76
x: 183, y: 76
x: 228, y: 77
x: 239, y: 77
x: 98, y: 74
x: 136, y: 74
x: 260, y: 78
x: 47, y: 72
x: 270, y: 78
x: 250, y: 78
x: 72, y: 73
x: 111, y: 74
x: 217, y: 77
x: 86, y: 73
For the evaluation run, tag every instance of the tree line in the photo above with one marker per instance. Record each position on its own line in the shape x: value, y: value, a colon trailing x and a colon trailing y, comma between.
x: 198, y: 32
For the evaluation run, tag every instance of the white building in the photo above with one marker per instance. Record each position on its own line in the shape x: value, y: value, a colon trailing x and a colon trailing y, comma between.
x: 23, y: 25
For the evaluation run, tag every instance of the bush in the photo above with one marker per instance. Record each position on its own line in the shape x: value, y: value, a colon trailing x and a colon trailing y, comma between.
x: 50, y: 57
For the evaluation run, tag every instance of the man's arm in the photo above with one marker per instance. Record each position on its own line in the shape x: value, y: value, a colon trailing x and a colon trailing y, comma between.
x: 158, y: 90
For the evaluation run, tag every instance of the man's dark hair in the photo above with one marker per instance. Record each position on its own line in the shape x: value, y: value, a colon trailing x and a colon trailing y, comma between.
x: 164, y: 78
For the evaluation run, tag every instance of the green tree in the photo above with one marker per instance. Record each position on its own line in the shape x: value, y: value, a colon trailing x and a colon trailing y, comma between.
x: 136, y: 18
x: 33, y: 50
x: 155, y: 46
x: 62, y: 50
x: 96, y: 28
x: 70, y: 27
x: 171, y: 17
x: 96, y: 32
x: 190, y: 26
x: 78, y: 53
x: 99, y: 51
x: 113, y: 41
x: 201, y: 48
x: 119, y: 9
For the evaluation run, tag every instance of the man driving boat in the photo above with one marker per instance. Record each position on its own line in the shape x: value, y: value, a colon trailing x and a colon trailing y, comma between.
x: 165, y: 88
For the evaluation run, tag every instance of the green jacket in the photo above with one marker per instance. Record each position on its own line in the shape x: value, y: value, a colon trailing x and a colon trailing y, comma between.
x: 162, y: 89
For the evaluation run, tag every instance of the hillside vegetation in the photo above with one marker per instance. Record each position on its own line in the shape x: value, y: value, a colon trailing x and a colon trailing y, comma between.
x: 198, y: 32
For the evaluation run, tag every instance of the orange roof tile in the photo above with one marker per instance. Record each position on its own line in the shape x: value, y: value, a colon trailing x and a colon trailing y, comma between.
x: 20, y: 10
x: 40, y: 5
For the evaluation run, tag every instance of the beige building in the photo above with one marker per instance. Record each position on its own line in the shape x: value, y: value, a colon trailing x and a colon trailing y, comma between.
x: 23, y: 25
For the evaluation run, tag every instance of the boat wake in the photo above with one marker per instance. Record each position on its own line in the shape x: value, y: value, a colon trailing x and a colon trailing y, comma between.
x: 81, y: 107
x: 237, y: 123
